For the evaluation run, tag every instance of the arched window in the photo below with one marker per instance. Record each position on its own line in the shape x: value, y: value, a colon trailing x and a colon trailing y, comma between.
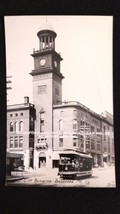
x: 60, y: 124
x: 74, y: 124
x: 11, y: 127
x: 16, y: 126
x: 21, y: 126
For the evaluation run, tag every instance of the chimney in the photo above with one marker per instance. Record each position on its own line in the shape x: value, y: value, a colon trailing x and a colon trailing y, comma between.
x: 26, y: 100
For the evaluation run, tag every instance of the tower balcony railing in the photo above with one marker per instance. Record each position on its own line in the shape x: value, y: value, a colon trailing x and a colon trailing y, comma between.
x: 42, y: 50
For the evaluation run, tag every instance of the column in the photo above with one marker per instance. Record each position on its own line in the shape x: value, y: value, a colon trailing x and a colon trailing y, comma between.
x: 45, y: 41
x: 49, y: 41
x: 52, y: 42
x: 41, y: 42
x: 101, y: 160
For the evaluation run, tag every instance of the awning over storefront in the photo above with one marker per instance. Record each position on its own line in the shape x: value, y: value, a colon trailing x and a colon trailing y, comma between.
x: 105, y: 155
x: 42, y: 155
x: 14, y: 155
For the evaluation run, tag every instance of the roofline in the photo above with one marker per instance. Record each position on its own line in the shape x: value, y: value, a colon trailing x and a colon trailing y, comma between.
x: 21, y: 106
x: 79, y: 105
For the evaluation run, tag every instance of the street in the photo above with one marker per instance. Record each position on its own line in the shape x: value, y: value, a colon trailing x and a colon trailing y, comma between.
x: 102, y: 177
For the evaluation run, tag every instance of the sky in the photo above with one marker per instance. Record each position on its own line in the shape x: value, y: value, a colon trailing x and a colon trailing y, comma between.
x: 86, y: 46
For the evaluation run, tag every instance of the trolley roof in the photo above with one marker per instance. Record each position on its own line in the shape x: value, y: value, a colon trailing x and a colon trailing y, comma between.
x: 75, y: 152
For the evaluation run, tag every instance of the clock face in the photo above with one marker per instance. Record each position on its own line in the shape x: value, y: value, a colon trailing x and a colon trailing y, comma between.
x: 42, y: 62
x: 55, y: 64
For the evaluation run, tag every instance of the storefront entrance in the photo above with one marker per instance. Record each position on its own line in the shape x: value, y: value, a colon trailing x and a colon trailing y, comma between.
x: 42, y: 160
x: 55, y: 163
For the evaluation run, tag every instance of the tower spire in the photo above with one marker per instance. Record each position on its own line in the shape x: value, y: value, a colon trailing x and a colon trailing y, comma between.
x: 46, y: 20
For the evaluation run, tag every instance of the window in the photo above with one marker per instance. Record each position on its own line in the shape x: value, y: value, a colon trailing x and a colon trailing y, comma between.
x: 88, y: 143
x: 42, y: 128
x: 21, y: 114
x: 61, y: 141
x: 81, y: 124
x: 42, y: 144
x: 16, y: 114
x: 60, y: 124
x: 92, y: 145
x: 16, y: 126
x: 16, y: 142
x: 108, y: 144
x: 42, y: 89
x: 42, y: 122
x: 74, y: 141
x: 92, y: 130
x: 105, y: 149
x: 98, y: 132
x: 57, y: 91
x: 31, y: 142
x: 98, y: 147
x: 61, y: 113
x: 104, y: 133
x: 11, y: 127
x: 74, y: 113
x: 11, y: 142
x: 20, y: 141
x: 38, y: 141
x: 31, y: 124
x: 11, y: 115
x: 21, y: 126
x: 74, y: 124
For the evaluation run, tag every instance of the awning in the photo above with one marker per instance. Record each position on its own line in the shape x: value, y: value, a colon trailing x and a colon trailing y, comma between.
x: 14, y: 155
x: 42, y: 155
x: 105, y: 155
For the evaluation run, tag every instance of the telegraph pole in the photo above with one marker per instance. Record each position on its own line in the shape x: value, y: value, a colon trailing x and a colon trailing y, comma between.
x: 8, y: 82
x: 84, y: 128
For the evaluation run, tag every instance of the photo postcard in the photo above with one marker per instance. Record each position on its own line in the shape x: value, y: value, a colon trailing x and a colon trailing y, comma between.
x: 59, y: 74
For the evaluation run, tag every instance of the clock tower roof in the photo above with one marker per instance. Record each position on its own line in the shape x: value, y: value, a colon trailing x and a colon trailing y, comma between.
x: 46, y: 26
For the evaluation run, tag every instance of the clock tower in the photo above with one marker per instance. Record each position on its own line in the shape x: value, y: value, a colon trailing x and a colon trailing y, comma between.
x: 47, y: 91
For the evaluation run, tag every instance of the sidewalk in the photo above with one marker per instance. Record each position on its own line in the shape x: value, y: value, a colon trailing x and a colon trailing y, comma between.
x: 13, y: 178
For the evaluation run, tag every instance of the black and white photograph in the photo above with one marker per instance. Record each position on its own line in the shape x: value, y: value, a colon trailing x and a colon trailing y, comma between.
x: 60, y: 122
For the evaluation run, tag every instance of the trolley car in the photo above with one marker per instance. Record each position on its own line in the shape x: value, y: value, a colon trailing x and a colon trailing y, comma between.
x: 74, y: 164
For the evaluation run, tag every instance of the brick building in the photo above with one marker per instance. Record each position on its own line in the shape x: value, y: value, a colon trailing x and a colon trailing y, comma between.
x: 20, y: 131
x: 57, y: 125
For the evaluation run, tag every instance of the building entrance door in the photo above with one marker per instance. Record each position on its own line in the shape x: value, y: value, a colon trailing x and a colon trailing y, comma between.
x: 42, y: 160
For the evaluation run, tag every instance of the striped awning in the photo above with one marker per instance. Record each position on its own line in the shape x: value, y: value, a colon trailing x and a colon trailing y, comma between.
x: 13, y: 155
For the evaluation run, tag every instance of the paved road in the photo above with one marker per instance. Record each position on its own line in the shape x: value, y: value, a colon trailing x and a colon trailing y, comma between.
x: 102, y: 177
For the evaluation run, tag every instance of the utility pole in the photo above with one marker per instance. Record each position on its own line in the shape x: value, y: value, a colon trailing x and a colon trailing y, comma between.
x: 8, y: 82
x: 84, y: 128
